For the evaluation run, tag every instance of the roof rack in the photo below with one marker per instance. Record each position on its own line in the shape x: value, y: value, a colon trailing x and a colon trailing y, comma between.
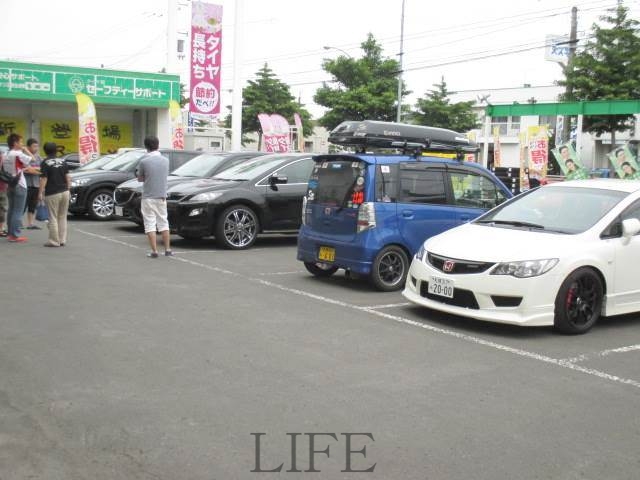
x: 408, y: 138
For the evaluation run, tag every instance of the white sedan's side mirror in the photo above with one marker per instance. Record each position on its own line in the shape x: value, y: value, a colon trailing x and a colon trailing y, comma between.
x: 630, y: 227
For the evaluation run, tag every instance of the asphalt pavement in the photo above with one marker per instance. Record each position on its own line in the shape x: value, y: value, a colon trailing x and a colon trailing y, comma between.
x: 214, y: 364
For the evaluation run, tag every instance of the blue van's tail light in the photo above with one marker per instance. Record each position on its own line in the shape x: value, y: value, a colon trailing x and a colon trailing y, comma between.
x: 366, y: 216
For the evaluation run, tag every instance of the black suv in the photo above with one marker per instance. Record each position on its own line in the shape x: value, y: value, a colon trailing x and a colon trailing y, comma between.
x: 260, y: 195
x: 92, y: 190
x: 129, y: 193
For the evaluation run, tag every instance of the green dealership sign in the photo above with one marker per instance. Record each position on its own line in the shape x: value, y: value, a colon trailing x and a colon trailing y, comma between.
x: 60, y: 83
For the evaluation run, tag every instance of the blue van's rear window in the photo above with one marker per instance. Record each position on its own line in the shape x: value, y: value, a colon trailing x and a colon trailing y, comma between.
x: 333, y: 182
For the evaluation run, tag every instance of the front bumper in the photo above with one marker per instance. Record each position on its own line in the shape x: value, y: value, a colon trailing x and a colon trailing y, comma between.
x: 77, y: 200
x: 536, y: 307
x: 190, y: 220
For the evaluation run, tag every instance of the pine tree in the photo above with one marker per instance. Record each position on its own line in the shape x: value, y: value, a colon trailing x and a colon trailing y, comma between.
x: 435, y: 110
x: 607, y: 68
x: 267, y: 94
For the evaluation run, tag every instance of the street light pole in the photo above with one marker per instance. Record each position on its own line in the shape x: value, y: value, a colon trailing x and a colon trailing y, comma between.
x: 399, y: 112
x: 328, y: 47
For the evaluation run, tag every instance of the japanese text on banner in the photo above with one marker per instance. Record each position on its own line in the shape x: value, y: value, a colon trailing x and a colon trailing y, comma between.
x: 206, y: 58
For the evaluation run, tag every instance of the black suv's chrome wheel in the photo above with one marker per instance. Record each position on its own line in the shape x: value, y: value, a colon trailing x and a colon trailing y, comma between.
x: 101, y: 205
x: 389, y: 270
x: 237, y: 228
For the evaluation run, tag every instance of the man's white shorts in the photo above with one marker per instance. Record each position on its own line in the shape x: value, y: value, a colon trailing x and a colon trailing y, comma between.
x: 154, y: 214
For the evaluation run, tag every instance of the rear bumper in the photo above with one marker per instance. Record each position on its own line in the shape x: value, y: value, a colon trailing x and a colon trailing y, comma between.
x: 354, y: 255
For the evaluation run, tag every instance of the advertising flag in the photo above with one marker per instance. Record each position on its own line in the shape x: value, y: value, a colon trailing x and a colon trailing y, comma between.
x: 275, y: 132
x: 206, y: 58
x: 524, y: 170
x: 624, y: 163
x: 538, y: 145
x: 569, y: 162
x: 497, y: 152
x: 88, y: 141
x: 298, y: 121
x: 177, y: 130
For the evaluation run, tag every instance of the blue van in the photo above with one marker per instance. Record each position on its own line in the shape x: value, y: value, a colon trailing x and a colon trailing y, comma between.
x: 369, y: 213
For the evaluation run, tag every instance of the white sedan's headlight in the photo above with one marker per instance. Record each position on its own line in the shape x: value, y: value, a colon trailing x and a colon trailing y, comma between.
x: 525, y: 269
x: 206, y: 196
x: 420, y: 253
x: 79, y: 181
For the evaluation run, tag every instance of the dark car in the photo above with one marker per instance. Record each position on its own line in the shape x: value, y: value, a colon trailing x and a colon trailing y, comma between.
x: 92, y: 190
x: 128, y: 194
x: 260, y: 195
x: 72, y: 160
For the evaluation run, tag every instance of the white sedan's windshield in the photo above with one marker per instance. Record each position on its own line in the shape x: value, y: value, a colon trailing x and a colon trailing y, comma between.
x: 558, y: 209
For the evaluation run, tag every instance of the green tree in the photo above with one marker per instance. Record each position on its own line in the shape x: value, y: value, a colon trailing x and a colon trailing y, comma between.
x: 607, y: 68
x: 435, y: 110
x: 267, y: 94
x: 365, y: 88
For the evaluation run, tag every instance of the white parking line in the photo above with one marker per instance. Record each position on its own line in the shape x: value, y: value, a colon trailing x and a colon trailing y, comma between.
x: 564, y: 363
x: 282, y: 273
x: 388, y: 305
x: 590, y: 356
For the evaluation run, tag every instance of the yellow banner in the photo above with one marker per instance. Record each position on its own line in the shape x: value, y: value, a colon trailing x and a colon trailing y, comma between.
x: 538, y: 144
x: 64, y: 133
x: 177, y: 129
x: 88, y: 137
x: 11, y: 125
x: 115, y: 135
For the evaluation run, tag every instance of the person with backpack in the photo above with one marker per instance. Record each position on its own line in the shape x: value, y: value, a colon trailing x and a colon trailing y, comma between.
x: 3, y: 202
x: 16, y: 164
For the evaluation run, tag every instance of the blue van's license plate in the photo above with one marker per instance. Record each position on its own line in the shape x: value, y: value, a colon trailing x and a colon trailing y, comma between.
x: 442, y: 287
x: 327, y: 254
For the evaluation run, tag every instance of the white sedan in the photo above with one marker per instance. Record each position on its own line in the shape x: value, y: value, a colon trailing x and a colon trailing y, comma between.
x: 562, y: 255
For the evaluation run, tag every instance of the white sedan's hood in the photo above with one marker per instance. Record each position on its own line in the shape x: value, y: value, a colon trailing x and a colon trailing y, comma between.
x: 487, y: 243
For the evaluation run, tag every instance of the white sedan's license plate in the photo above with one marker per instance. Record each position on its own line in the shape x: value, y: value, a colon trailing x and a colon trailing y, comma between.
x: 119, y: 211
x: 442, y: 287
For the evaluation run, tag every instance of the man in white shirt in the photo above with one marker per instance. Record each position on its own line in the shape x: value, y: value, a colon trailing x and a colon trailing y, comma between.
x: 17, y: 162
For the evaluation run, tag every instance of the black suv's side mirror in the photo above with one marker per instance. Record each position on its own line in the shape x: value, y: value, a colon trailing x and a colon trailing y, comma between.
x: 275, y: 180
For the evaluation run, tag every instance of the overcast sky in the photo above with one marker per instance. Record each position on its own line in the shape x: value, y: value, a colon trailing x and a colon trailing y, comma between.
x: 441, y: 38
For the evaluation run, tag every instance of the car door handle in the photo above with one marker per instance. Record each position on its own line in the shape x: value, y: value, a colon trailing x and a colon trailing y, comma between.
x: 407, y: 213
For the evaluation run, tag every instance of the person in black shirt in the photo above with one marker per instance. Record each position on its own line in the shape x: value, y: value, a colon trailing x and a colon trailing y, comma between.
x: 54, y: 189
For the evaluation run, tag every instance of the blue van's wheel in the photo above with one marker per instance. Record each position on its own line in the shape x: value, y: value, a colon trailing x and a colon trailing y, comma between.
x: 389, y: 270
x: 320, y: 269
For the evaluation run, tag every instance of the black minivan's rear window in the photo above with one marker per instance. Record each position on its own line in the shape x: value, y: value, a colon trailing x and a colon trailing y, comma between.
x: 338, y: 182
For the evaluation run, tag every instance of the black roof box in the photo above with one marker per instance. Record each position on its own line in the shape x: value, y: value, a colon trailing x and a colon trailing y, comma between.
x: 370, y: 133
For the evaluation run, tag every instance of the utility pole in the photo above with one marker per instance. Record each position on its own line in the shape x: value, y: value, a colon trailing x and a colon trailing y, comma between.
x: 573, y: 41
x: 399, y: 112
x: 236, y: 96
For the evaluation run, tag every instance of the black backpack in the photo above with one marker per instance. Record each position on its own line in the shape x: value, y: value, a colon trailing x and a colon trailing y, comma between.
x: 6, y: 177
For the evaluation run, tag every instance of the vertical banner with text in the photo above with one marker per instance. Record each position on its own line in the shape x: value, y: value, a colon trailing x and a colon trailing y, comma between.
x: 206, y: 58
x: 538, y: 143
x: 88, y: 142
x: 177, y: 130
x: 497, y: 152
x: 275, y: 132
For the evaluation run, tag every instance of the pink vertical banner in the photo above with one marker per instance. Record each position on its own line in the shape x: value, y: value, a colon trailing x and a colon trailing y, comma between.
x: 206, y: 58
x: 275, y: 132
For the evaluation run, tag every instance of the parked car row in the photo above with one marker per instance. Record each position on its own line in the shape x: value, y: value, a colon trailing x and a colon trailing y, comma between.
x: 447, y: 232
